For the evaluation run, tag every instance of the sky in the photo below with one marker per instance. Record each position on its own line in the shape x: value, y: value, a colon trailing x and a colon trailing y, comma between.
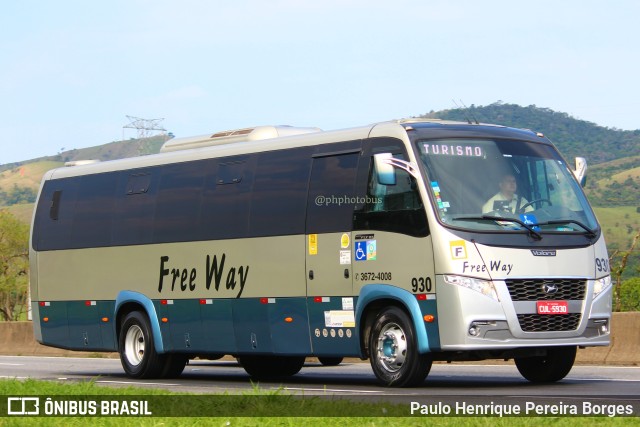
x: 71, y: 71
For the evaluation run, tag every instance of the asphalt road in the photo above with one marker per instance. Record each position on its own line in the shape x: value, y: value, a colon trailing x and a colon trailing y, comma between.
x: 349, y: 380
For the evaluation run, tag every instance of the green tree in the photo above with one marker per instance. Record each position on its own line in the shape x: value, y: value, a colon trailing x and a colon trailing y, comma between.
x: 630, y: 295
x: 618, y: 263
x: 14, y: 266
x: 20, y: 194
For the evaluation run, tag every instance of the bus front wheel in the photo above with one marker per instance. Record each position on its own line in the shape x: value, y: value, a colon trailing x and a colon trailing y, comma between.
x: 547, y: 369
x: 394, y: 352
x: 135, y: 345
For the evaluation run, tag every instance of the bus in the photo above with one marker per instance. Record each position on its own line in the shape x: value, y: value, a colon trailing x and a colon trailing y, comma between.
x: 272, y: 244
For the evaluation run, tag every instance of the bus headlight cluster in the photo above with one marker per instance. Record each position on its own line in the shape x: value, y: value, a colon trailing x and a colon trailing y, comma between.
x: 601, y: 285
x: 483, y: 286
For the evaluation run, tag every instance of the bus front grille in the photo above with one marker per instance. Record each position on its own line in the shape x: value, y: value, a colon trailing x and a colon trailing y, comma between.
x: 549, y: 323
x: 546, y: 289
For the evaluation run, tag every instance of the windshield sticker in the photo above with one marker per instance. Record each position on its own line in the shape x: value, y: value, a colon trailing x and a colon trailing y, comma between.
x: 436, y: 192
x: 453, y: 150
x: 530, y: 219
x: 458, y: 249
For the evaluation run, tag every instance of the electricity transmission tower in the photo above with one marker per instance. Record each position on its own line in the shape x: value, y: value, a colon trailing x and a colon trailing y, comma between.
x: 144, y: 126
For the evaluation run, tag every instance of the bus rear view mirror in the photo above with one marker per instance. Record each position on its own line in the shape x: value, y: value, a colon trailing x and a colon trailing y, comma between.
x: 384, y: 168
x: 581, y: 170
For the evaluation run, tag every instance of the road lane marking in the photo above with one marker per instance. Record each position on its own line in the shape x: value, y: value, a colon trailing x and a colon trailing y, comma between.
x: 136, y: 383
x: 11, y: 364
x: 330, y: 390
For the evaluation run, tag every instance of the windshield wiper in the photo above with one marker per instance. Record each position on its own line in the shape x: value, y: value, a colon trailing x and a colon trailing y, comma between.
x: 589, y: 232
x: 533, y: 233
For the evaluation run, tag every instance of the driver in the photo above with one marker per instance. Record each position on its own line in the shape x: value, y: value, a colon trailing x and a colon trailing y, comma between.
x: 506, y: 200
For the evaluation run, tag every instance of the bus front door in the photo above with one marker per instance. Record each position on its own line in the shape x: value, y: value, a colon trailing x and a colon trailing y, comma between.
x: 329, y: 254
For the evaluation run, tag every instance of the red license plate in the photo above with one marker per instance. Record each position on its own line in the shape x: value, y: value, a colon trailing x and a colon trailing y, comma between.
x: 552, y: 307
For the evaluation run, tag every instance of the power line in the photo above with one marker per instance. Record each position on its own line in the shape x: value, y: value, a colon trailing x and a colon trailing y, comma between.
x: 145, y: 127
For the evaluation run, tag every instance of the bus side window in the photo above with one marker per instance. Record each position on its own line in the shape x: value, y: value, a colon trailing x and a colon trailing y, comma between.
x: 400, y: 196
x: 331, y: 193
x: 395, y: 208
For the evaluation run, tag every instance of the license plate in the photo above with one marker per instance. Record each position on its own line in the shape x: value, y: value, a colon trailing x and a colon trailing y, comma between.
x: 552, y: 307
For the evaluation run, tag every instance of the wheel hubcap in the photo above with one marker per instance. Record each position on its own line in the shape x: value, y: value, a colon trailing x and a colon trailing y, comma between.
x: 134, y: 345
x: 391, y: 349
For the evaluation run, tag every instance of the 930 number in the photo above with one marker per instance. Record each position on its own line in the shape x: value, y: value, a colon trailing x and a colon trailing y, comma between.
x: 602, y: 264
x: 421, y: 284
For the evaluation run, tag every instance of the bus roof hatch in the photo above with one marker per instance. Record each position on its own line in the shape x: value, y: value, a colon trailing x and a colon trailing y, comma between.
x: 231, y: 136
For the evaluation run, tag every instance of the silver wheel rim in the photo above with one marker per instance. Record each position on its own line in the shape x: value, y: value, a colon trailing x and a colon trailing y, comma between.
x: 391, y: 349
x: 134, y: 345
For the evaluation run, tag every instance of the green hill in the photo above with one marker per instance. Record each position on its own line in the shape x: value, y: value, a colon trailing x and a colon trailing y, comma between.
x: 615, y: 183
x: 573, y: 137
x: 19, y: 182
x: 110, y: 151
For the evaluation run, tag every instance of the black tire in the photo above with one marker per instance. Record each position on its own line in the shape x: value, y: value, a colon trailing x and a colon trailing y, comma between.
x: 393, y: 350
x: 268, y: 367
x: 547, y: 369
x: 330, y: 361
x: 174, y: 365
x: 135, y: 345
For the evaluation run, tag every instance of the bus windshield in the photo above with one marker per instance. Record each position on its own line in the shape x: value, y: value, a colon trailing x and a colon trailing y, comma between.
x: 504, y: 185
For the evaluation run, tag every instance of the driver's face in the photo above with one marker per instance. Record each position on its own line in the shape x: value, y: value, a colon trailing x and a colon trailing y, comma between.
x: 508, y: 185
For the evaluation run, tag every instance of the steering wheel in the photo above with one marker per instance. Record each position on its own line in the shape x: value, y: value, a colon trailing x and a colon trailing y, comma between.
x: 526, y: 205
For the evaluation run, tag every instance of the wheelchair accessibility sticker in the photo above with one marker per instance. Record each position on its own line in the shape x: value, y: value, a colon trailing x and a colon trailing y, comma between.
x: 366, y: 250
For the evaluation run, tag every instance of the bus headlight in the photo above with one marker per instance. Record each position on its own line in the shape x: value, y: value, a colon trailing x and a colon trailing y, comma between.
x: 483, y: 286
x: 601, y: 285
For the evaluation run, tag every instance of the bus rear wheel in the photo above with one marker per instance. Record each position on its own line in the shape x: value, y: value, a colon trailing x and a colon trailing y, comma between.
x: 265, y: 367
x: 547, y: 369
x: 394, y: 352
x: 174, y: 365
x: 135, y: 345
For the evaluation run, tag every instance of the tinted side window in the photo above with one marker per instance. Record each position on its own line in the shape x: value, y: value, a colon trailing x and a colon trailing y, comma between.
x: 396, y: 208
x: 179, y: 198
x: 226, y: 199
x: 134, y: 210
x: 279, y: 199
x: 94, y: 211
x: 54, y: 215
x: 332, y: 194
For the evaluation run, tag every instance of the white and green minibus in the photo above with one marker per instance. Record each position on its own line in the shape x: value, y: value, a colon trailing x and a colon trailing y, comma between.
x: 394, y: 242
